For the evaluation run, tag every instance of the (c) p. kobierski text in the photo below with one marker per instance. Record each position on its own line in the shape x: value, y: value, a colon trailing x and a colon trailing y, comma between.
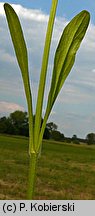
x: 70, y: 207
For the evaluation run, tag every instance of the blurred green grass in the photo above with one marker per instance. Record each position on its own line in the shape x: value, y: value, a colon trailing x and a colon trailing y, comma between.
x: 65, y: 171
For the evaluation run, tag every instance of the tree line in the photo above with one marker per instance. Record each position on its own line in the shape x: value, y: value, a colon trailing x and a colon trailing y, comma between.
x: 17, y: 124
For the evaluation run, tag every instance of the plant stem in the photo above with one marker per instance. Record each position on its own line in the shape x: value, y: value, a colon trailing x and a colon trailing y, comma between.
x: 43, y: 74
x: 32, y: 174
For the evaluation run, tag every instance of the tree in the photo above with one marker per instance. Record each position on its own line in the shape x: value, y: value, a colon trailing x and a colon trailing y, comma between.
x: 75, y: 139
x: 90, y: 138
x: 3, y: 124
x: 51, y: 126
x: 46, y: 134
x: 56, y: 135
x: 19, y: 120
x: 6, y: 126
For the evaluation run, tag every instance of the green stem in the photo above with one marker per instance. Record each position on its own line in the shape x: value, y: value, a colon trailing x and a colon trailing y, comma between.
x: 32, y: 175
x: 48, y: 110
x: 30, y: 112
x: 39, y: 105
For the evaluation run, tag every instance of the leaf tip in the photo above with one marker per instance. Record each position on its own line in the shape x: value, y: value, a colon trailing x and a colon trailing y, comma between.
x: 6, y: 6
x: 86, y: 13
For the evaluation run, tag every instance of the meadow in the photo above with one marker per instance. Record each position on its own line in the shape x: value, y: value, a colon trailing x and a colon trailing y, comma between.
x: 65, y: 171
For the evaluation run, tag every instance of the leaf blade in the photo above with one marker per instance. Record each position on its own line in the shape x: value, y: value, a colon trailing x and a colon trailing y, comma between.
x: 17, y: 37
x: 66, y: 51
x: 22, y: 58
x: 65, y: 57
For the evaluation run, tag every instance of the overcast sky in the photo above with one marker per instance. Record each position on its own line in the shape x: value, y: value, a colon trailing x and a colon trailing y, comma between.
x: 74, y: 110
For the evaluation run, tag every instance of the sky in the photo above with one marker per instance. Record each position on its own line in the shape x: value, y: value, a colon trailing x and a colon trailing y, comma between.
x: 74, y: 109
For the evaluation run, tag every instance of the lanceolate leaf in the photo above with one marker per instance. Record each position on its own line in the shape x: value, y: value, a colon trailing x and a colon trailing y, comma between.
x: 65, y: 57
x: 66, y: 51
x: 21, y: 54
x: 18, y: 39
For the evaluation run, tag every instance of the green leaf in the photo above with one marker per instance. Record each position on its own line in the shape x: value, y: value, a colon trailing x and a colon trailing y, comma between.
x: 18, y: 39
x: 22, y: 57
x: 66, y: 51
x: 64, y: 58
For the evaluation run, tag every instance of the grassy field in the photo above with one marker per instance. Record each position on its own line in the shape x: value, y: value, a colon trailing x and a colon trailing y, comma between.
x: 65, y: 171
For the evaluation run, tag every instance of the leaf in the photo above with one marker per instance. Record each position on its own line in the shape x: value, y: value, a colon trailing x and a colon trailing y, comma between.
x: 66, y: 52
x: 64, y: 58
x: 18, y: 40
x: 22, y: 57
